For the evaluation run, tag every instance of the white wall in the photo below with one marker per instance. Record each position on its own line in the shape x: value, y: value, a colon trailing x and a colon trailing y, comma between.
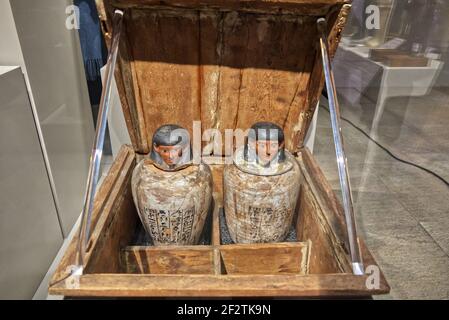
x: 30, y: 233
x: 59, y: 124
x: 10, y: 51
x: 55, y: 70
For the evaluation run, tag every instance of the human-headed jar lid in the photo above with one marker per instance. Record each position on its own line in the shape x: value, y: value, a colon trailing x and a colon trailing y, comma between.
x: 264, y: 152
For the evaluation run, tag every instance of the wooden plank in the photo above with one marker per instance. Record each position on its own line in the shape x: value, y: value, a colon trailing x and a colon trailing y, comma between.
x: 111, y: 182
x: 319, y: 220
x: 275, y: 89
x: 131, y: 107
x: 127, y: 285
x: 317, y: 7
x: 324, y: 198
x: 115, y: 227
x: 216, y: 235
x: 217, y: 177
x: 123, y: 76
x: 282, y: 258
x: 245, y: 80
x: 216, y: 224
x: 225, y: 3
x: 218, y: 263
x: 324, y: 194
x: 171, y: 87
x: 169, y: 260
x: 211, y: 26
x: 227, y: 36
x: 312, y: 226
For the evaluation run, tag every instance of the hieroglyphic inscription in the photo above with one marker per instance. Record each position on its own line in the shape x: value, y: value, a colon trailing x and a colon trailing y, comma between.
x: 266, y: 218
x: 170, y: 227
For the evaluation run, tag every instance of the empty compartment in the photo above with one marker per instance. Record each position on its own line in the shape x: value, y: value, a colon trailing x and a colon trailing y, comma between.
x: 282, y: 258
x: 168, y: 260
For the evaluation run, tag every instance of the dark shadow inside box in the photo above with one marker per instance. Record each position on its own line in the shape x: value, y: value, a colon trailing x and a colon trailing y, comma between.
x: 142, y: 238
x: 225, y: 237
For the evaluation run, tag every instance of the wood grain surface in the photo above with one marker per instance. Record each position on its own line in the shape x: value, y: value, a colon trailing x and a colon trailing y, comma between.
x: 227, y: 64
x: 315, y: 266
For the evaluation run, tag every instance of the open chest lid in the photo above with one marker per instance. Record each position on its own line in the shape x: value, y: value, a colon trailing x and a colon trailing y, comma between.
x: 221, y: 64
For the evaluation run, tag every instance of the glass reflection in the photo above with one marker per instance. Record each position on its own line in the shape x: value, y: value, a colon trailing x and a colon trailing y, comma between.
x: 392, y: 76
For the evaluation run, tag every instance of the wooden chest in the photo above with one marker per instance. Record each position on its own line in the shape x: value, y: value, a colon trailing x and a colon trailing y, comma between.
x: 225, y: 65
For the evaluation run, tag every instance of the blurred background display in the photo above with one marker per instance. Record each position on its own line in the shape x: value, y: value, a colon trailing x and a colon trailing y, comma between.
x: 393, y: 86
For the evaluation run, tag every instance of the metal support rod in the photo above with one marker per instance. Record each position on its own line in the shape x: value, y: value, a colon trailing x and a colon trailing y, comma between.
x: 356, y: 256
x: 97, y: 149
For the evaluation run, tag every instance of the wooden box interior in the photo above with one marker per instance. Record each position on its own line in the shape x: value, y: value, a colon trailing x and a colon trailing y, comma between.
x: 316, y: 264
x: 227, y: 64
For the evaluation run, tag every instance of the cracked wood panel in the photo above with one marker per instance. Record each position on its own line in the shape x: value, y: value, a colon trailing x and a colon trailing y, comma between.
x: 166, y: 92
x: 227, y: 69
x: 268, y: 75
x: 195, y: 61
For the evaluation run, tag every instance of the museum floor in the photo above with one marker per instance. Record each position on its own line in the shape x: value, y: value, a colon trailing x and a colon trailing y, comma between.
x: 403, y: 212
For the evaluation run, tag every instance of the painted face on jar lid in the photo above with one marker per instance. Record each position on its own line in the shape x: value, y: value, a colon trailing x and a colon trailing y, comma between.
x: 267, y: 150
x: 170, y: 154
x: 266, y: 139
x: 171, y: 148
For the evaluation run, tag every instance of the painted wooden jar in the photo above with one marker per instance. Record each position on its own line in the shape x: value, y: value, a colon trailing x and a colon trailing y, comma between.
x: 260, y: 199
x: 173, y: 206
